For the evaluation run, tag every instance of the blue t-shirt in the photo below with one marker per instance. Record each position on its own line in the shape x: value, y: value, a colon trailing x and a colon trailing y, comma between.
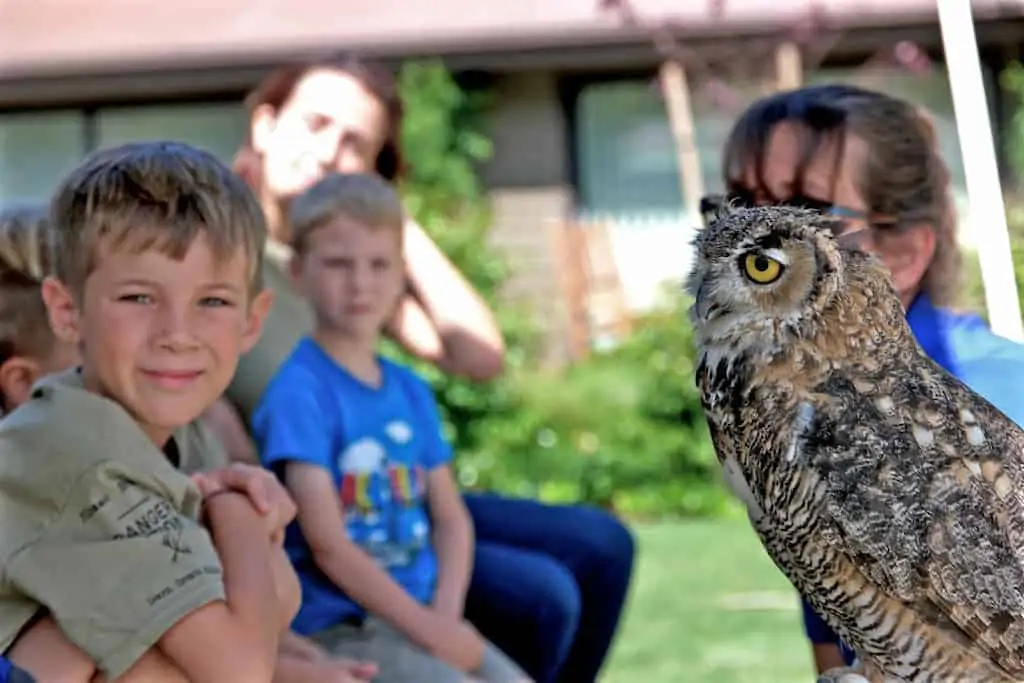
x: 965, y: 347
x: 378, y: 443
x: 12, y: 674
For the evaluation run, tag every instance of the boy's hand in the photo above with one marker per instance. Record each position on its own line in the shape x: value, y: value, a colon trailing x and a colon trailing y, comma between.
x: 265, y: 493
x: 459, y: 644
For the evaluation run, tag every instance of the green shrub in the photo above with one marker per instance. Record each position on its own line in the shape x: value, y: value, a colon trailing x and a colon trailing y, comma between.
x: 444, y: 144
x: 622, y: 429
x: 974, y: 290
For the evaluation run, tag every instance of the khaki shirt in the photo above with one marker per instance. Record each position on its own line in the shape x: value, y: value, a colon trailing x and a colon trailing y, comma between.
x: 199, y: 449
x: 289, y: 320
x: 98, y: 526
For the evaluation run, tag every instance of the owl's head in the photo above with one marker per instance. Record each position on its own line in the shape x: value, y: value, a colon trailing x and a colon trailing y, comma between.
x: 762, y: 277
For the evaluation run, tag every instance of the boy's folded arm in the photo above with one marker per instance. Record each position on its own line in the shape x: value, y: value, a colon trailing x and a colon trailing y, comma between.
x: 118, y: 565
x: 122, y: 569
x: 246, y: 626
x: 321, y: 520
x: 453, y: 539
x: 47, y: 654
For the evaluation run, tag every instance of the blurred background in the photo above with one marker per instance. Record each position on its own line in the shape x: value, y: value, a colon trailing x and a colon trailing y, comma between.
x: 555, y: 147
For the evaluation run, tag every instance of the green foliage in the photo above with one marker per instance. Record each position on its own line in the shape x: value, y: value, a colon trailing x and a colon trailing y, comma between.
x: 1011, y: 80
x: 622, y: 429
x: 974, y: 290
x: 1015, y: 220
x: 444, y: 143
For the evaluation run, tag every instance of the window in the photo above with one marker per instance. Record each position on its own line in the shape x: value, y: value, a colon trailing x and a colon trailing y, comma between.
x: 627, y: 161
x: 216, y: 127
x: 36, y: 149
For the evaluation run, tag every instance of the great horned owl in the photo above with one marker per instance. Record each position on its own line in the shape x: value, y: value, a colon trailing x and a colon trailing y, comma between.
x: 889, y: 493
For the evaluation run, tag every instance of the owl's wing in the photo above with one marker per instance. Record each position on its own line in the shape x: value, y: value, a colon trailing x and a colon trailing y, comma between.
x: 924, y: 481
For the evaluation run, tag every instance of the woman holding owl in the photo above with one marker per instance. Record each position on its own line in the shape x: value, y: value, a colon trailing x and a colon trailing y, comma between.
x: 872, y: 161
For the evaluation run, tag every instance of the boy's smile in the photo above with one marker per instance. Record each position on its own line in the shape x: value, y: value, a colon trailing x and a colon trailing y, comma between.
x: 158, y: 335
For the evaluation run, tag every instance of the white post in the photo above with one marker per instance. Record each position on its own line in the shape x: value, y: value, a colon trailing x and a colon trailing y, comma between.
x: 987, y: 214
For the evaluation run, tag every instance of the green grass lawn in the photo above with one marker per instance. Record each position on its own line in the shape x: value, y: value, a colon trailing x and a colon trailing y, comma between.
x: 708, y: 605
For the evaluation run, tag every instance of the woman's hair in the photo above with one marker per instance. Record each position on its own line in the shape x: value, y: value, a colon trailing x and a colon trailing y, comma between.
x: 748, y: 139
x: 25, y: 240
x: 277, y: 87
x: 903, y: 175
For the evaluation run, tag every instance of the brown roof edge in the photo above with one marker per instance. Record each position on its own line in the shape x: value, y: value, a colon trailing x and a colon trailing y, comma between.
x: 262, y: 47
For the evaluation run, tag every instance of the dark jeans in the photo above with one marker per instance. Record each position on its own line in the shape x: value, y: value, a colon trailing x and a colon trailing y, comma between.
x: 820, y: 633
x: 549, y: 583
x: 12, y: 674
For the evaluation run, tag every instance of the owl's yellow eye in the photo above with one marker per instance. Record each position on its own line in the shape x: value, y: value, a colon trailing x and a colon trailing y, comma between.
x: 761, y: 269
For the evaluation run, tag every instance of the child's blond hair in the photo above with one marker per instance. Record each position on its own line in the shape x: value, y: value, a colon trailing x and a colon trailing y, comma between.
x: 153, y: 195
x: 25, y: 241
x: 365, y: 198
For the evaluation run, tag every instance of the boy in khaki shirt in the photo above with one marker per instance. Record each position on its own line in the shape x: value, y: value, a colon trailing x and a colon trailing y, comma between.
x: 28, y: 351
x: 156, y: 281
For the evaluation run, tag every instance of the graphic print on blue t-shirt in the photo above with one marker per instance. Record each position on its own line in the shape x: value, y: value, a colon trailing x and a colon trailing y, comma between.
x: 379, y: 444
x: 382, y: 497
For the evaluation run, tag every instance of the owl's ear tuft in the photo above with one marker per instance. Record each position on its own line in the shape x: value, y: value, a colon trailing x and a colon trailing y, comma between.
x: 713, y: 208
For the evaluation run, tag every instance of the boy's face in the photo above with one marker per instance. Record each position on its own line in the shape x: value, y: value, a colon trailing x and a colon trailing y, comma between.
x: 160, y: 337
x: 353, y: 275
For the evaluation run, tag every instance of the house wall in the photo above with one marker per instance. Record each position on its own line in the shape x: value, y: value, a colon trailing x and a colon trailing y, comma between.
x: 528, y: 179
x: 552, y: 163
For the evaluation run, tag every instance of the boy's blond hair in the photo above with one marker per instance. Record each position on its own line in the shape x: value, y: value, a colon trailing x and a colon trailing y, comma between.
x: 25, y: 242
x: 153, y: 195
x: 365, y: 198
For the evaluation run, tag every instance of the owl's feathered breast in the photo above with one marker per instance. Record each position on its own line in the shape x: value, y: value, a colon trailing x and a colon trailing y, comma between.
x: 919, y: 469
x: 889, y: 493
x: 924, y: 484
x: 912, y: 478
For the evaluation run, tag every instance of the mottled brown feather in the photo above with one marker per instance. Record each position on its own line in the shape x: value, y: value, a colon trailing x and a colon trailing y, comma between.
x: 897, y: 508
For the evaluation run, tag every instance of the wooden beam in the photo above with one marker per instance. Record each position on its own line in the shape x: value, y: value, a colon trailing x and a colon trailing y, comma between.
x: 610, y: 315
x: 676, y: 91
x: 789, y: 70
x: 569, y: 258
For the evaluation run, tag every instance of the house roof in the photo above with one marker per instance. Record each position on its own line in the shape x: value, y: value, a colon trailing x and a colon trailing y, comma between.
x: 40, y: 37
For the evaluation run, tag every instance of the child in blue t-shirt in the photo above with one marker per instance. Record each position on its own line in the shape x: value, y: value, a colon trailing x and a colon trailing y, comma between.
x: 382, y: 543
